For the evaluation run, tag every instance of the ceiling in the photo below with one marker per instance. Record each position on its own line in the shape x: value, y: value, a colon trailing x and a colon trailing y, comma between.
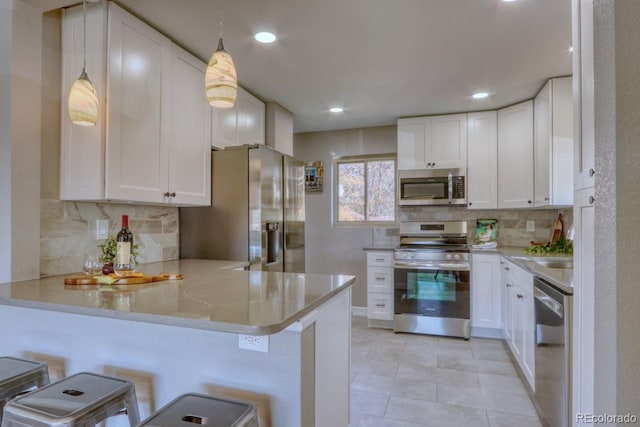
x: 379, y: 59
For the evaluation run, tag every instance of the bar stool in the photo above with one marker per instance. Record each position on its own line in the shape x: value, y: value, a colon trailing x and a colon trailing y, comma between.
x: 192, y: 409
x: 18, y: 376
x: 81, y: 400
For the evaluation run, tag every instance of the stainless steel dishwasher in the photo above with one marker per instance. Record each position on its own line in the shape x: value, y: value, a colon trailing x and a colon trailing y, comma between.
x: 552, y: 354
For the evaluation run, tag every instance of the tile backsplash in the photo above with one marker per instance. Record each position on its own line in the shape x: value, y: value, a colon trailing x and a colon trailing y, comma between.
x: 68, y: 232
x: 512, y: 224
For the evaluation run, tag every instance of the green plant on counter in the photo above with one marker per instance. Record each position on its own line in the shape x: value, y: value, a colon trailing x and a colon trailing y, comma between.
x: 562, y: 246
x: 109, y: 248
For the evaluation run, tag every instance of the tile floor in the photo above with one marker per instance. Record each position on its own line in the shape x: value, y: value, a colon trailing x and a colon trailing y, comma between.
x: 405, y: 380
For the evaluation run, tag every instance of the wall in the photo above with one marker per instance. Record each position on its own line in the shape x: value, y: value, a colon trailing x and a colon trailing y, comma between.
x: 339, y: 249
x: 5, y: 139
x: 67, y: 229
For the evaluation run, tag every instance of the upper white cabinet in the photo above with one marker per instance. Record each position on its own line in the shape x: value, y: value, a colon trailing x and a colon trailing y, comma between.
x: 553, y: 144
x: 515, y: 156
x: 482, y: 162
x: 241, y: 124
x: 279, y: 128
x: 153, y: 139
x: 432, y: 142
x: 583, y: 93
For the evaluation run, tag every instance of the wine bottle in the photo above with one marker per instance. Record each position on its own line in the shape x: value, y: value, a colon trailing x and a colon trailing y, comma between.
x: 124, y: 264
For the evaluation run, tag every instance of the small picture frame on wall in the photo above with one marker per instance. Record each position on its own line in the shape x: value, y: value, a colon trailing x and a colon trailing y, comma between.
x: 313, y: 176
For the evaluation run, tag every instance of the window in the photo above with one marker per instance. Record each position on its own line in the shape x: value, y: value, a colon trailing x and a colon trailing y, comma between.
x: 365, y: 190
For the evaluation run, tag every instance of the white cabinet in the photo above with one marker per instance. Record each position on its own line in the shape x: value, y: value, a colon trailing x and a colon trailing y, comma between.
x: 241, y: 124
x: 583, y: 93
x: 152, y: 142
x: 553, y: 144
x: 279, y: 128
x: 518, y: 316
x: 380, y: 288
x: 486, y: 292
x: 515, y: 156
x: 432, y: 142
x: 482, y: 161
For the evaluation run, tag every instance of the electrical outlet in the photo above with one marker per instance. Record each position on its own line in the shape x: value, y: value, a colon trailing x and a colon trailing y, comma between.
x: 531, y: 226
x: 102, y: 229
x: 254, y: 342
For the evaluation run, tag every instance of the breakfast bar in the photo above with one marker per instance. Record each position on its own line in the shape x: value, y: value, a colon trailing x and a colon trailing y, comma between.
x: 282, y: 336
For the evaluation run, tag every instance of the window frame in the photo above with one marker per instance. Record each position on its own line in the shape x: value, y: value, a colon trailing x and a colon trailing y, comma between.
x: 365, y: 159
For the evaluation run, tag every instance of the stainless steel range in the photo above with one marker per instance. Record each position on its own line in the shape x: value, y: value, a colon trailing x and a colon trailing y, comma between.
x: 431, y: 279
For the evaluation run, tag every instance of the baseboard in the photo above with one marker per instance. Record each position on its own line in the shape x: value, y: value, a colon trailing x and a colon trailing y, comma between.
x: 358, y: 311
x: 487, y: 333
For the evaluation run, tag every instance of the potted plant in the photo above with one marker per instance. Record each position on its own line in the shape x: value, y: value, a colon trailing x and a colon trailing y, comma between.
x: 109, y: 248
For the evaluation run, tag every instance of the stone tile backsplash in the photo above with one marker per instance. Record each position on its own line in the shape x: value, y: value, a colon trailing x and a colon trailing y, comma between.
x: 68, y: 229
x: 512, y: 224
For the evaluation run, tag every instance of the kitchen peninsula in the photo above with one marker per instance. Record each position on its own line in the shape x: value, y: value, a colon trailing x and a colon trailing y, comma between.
x: 186, y: 333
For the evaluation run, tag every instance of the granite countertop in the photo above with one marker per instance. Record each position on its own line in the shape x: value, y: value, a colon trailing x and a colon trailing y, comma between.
x: 212, y: 296
x: 560, y: 277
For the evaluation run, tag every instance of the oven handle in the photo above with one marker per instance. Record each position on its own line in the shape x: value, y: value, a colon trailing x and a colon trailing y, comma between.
x: 448, y: 267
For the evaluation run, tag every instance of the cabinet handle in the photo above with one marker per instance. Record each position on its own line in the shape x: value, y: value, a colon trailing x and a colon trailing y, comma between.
x: 508, y: 285
x: 592, y: 172
x: 380, y: 259
x: 167, y: 194
x: 529, y: 201
x: 381, y: 305
x: 507, y: 268
x: 591, y: 200
x: 173, y: 194
x: 546, y: 199
x: 433, y: 164
x: 381, y: 279
x: 520, y: 296
x: 470, y: 203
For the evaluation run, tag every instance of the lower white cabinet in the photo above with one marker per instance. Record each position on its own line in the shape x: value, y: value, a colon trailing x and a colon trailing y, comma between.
x: 380, y: 287
x: 519, y: 316
x: 486, y: 294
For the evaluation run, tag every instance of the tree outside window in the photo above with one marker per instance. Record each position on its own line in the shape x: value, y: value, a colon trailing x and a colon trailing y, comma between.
x: 365, y: 191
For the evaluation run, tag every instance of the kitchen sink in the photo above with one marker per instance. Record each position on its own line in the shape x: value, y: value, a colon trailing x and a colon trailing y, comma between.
x: 555, y: 263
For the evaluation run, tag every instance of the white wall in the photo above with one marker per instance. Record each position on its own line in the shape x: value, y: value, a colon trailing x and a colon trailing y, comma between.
x: 338, y: 249
x: 20, y: 85
x: 617, y: 206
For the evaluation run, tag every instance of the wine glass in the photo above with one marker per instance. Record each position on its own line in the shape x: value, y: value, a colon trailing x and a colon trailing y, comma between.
x: 91, y: 265
x: 124, y: 270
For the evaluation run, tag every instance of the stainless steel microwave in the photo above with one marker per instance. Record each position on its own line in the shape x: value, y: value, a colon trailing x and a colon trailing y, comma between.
x: 432, y: 187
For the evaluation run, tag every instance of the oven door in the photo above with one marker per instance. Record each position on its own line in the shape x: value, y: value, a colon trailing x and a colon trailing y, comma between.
x: 432, y: 291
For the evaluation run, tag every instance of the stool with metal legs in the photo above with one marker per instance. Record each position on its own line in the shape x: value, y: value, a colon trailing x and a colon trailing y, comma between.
x: 18, y: 376
x: 193, y: 409
x: 81, y: 400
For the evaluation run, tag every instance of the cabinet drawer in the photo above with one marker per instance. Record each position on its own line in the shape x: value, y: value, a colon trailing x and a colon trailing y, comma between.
x: 380, y: 306
x: 380, y: 279
x: 379, y: 259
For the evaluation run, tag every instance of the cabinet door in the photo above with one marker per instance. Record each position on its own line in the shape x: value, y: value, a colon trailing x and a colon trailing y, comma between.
x: 250, y: 118
x: 583, y: 93
x: 515, y: 156
x: 542, y: 145
x: 517, y: 337
x: 448, y: 142
x: 380, y: 280
x: 583, y: 302
x: 507, y: 301
x: 562, y: 174
x: 482, y: 161
x: 412, y: 140
x: 486, y: 291
x: 224, y: 127
x: 190, y: 132
x: 380, y: 306
x: 82, y: 147
x: 528, y: 328
x: 139, y: 63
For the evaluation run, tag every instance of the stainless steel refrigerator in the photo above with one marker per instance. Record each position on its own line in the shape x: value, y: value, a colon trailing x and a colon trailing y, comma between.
x: 256, y: 212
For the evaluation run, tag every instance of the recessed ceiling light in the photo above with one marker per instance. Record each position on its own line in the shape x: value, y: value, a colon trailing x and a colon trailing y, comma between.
x: 480, y: 95
x: 336, y: 109
x: 265, y: 37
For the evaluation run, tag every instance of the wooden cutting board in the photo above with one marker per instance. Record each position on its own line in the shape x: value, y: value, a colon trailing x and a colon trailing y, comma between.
x: 135, y: 280
x: 557, y: 229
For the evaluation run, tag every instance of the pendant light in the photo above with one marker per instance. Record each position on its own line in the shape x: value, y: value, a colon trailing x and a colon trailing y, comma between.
x: 221, y: 80
x: 83, y: 99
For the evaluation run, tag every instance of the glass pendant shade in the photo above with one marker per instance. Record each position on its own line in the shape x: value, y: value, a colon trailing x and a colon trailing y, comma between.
x: 83, y: 102
x: 221, y: 81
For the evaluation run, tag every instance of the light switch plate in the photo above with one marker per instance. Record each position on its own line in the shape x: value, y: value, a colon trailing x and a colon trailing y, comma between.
x: 102, y: 229
x: 531, y: 226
